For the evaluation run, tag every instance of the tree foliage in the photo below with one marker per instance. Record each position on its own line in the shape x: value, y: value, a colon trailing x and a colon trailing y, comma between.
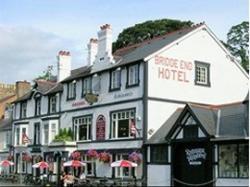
x: 47, y: 74
x: 148, y: 30
x: 237, y: 43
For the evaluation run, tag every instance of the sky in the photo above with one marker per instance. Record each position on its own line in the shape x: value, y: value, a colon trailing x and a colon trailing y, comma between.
x: 33, y: 31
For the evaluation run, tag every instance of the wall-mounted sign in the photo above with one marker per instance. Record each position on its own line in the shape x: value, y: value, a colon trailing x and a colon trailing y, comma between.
x: 91, y: 98
x: 195, y: 156
x: 173, y: 69
x: 78, y: 103
x: 100, y: 127
x: 121, y: 95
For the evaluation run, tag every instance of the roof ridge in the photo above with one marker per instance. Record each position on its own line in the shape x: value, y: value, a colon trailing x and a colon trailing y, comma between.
x: 157, y: 37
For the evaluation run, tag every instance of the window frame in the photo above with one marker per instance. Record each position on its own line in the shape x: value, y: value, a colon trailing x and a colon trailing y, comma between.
x: 137, y: 81
x: 50, y: 104
x: 38, y: 110
x: 152, y: 159
x: 199, y: 64
x: 119, y: 171
x: 115, y: 123
x: 44, y: 137
x: 117, y: 71
x: 18, y: 141
x: 237, y: 160
x: 71, y: 90
x: 76, y: 127
x: 37, y: 135
x: 89, y: 90
x: 91, y: 161
x: 23, y: 113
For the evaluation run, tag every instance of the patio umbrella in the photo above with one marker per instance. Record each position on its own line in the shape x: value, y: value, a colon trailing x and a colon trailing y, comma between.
x: 6, y: 163
x: 41, y: 165
x: 74, y: 163
x: 123, y: 163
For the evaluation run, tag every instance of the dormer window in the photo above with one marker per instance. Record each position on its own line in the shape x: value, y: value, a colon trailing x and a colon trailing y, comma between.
x: 115, y: 79
x: 133, y: 75
x: 86, y: 86
x: 71, y: 91
x: 37, y: 106
x: 23, y: 110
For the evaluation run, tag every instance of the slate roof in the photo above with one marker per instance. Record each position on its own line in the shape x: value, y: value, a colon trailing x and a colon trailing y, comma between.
x: 135, y: 52
x: 221, y: 122
x: 41, y: 86
x: 160, y: 135
x: 5, y: 124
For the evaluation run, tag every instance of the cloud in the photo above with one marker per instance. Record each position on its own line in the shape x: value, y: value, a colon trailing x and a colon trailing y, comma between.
x: 26, y: 52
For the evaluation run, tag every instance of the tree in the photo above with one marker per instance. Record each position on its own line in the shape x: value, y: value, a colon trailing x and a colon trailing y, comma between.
x: 47, y: 74
x: 237, y: 43
x: 148, y: 30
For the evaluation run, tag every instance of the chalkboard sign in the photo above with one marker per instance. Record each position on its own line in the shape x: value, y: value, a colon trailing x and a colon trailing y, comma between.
x: 100, y: 128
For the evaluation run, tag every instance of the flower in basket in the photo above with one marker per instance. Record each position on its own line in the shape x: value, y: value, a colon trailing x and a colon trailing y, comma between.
x: 10, y: 158
x: 26, y: 157
x: 76, y: 155
x: 104, y: 157
x: 92, y: 153
x: 135, y: 157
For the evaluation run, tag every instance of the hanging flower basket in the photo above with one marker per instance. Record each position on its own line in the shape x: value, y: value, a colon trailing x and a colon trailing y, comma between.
x: 26, y: 157
x: 135, y: 157
x: 104, y: 157
x: 10, y: 158
x: 76, y: 155
x: 92, y: 153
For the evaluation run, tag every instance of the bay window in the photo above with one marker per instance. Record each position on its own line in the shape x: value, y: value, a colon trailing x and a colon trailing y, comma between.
x: 82, y: 128
x: 121, y: 122
x: 233, y: 161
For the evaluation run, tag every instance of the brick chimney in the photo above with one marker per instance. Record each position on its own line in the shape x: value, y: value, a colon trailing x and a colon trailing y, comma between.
x: 63, y: 65
x: 22, y: 87
x: 104, y: 52
x: 92, y: 51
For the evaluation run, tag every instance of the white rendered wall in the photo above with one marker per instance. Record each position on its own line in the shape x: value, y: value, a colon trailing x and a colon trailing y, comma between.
x: 159, y: 175
x: 226, y: 77
x: 105, y: 96
x: 158, y: 113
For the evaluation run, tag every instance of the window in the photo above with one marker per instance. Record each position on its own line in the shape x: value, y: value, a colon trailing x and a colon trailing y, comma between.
x: 90, y: 165
x: 83, y: 128
x: 38, y: 106
x: 86, y: 86
x: 53, y: 131
x: 115, y: 80
x: 7, y: 141
x: 133, y: 75
x: 123, y: 171
x: 159, y: 153
x: 233, y: 161
x: 52, y: 104
x: 71, y: 94
x: 23, y: 110
x: 46, y: 134
x: 37, y: 134
x: 202, y: 73
x: 17, y: 136
x: 120, y: 123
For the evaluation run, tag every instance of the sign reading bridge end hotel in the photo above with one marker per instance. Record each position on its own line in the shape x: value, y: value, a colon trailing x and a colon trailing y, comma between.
x: 173, y: 68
